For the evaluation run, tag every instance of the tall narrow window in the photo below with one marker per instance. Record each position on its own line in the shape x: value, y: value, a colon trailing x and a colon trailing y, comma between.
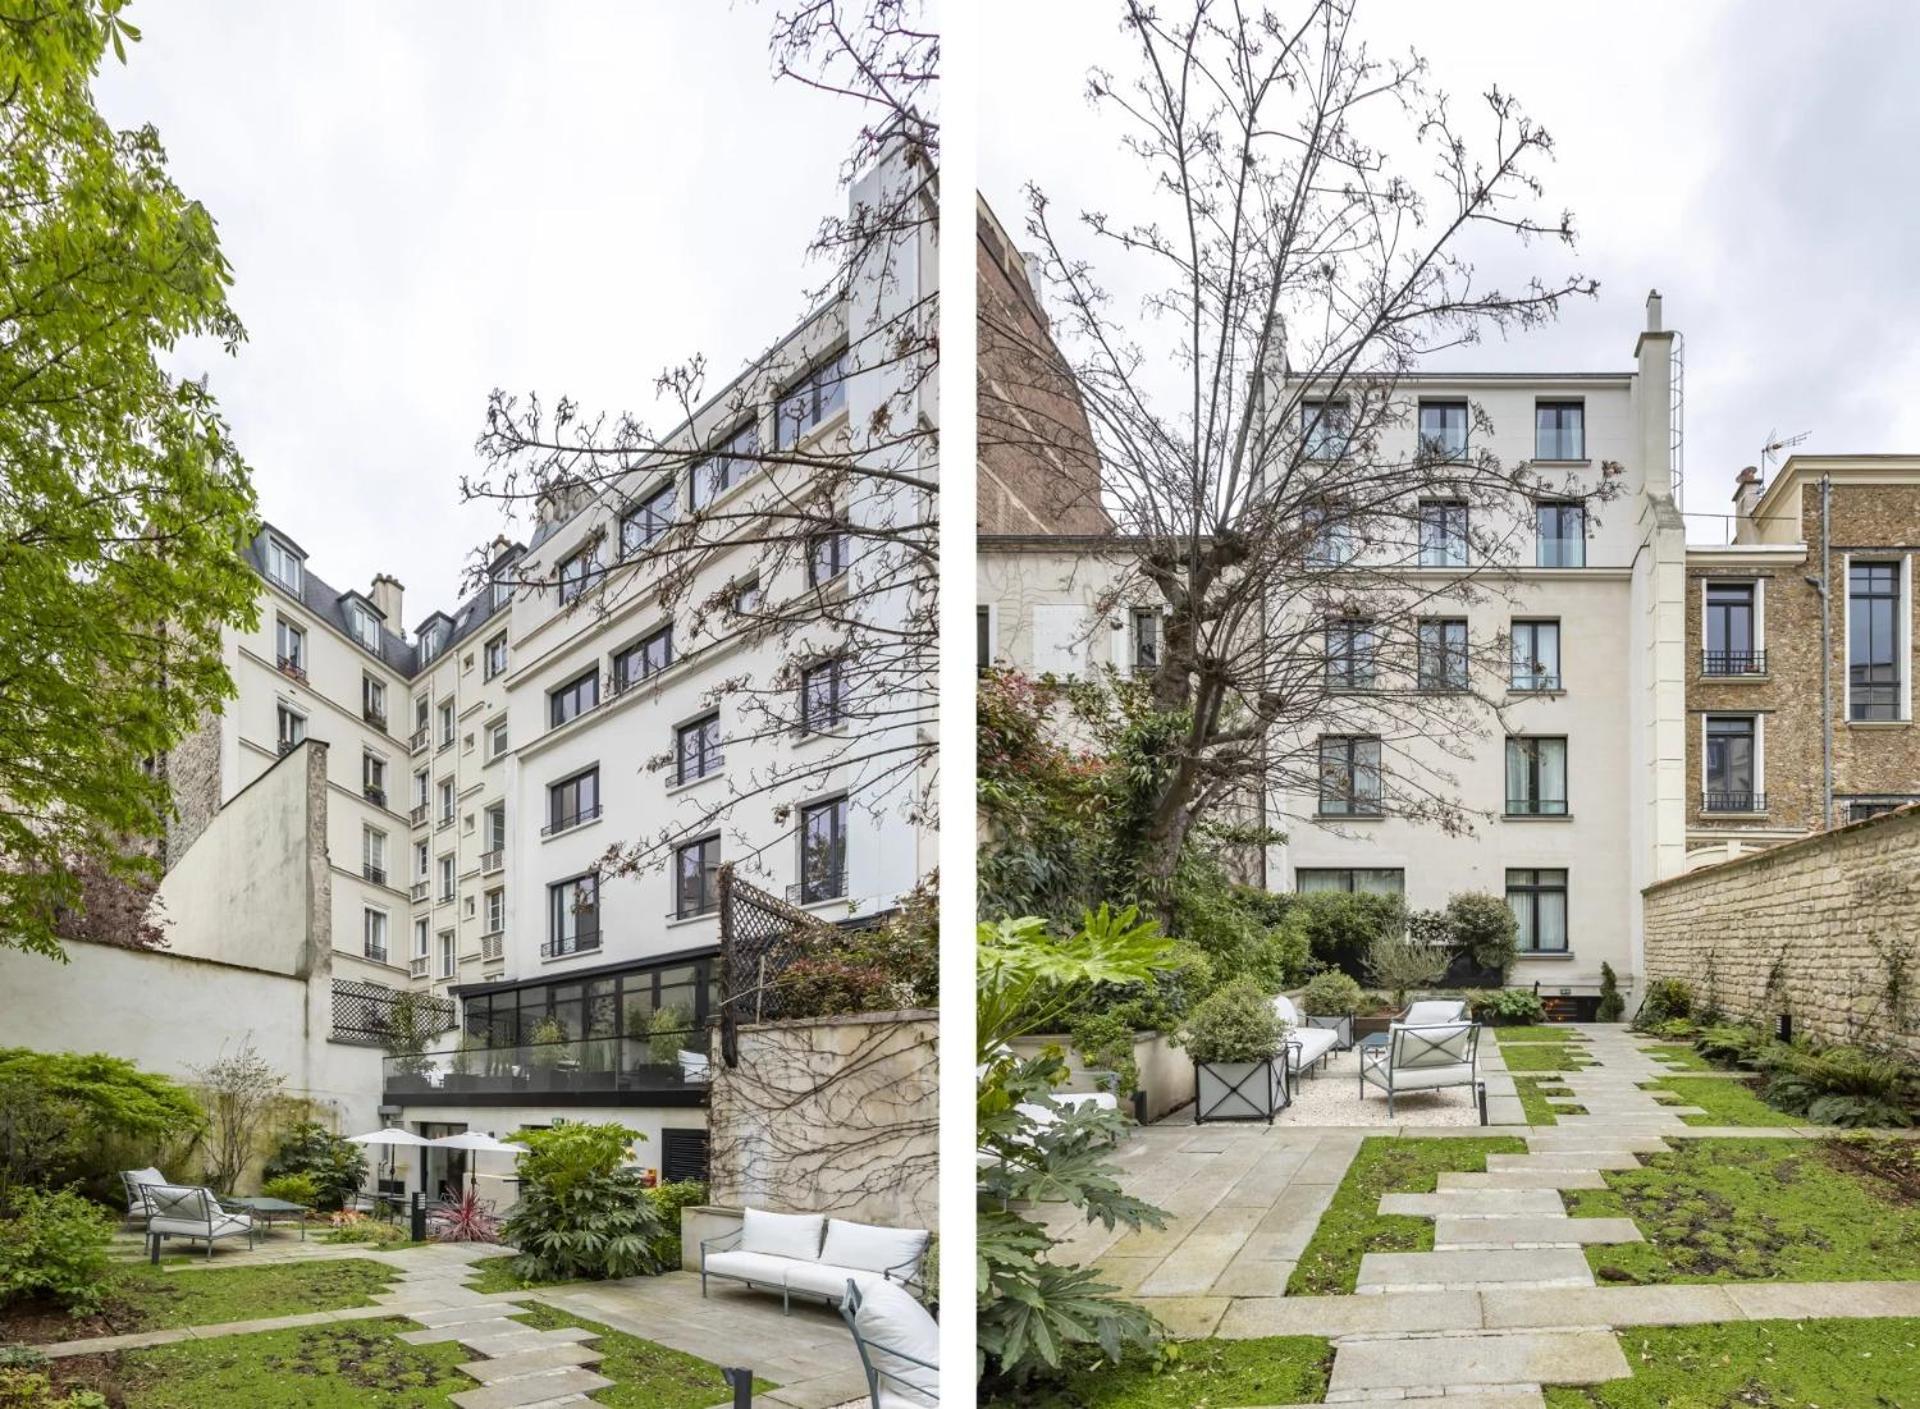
x: 1536, y: 655
x: 1733, y: 764
x: 696, y: 877
x: 1146, y: 640
x: 573, y: 801
x: 1443, y: 653
x: 812, y: 401
x: 1539, y: 903
x: 1559, y: 430
x: 823, y: 851
x: 496, y: 738
x: 1323, y: 429
x: 446, y: 954
x: 697, y: 749
x: 646, y: 522
x: 373, y: 779
x: 1443, y: 534
x: 373, y: 701
x: 447, y: 884
x: 1443, y: 429
x: 366, y: 627
x: 496, y: 911
x: 1350, y: 655
x: 374, y: 935
x: 1730, y: 637
x: 1562, y: 533
x: 1873, y: 641
x: 727, y: 466
x: 1536, y: 777
x: 283, y: 565
x: 982, y: 639
x: 576, y: 574
x: 293, y: 728
x: 826, y: 557
x: 291, y: 644
x: 1330, y: 544
x: 496, y: 658
x: 823, y: 695
x: 421, y: 929
x: 648, y: 656
x: 1349, y: 776
x: 573, y: 915
x: 446, y: 802
x: 373, y: 855
x: 446, y: 724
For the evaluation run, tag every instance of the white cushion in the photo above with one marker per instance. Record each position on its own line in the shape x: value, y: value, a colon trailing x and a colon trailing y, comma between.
x: 1283, y: 1009
x: 890, y: 1319
x: 782, y: 1234
x: 750, y: 1267
x: 1435, y: 1010
x: 1315, y: 1042
x: 145, y: 1176
x: 824, y: 1279
x: 868, y: 1247
x: 1425, y: 1078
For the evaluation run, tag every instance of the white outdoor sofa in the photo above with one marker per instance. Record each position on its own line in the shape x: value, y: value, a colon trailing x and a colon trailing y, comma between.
x: 899, y: 1345
x: 809, y: 1254
x: 182, y: 1211
x: 1307, y: 1047
x: 1424, y: 1057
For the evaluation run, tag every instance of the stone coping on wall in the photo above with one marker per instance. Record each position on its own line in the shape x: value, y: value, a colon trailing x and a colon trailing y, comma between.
x: 885, y: 1015
x: 1787, y: 849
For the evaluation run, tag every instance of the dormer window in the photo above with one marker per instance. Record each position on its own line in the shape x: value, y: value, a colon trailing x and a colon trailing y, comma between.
x: 502, y: 593
x: 283, y: 565
x: 432, y: 640
x: 366, y: 627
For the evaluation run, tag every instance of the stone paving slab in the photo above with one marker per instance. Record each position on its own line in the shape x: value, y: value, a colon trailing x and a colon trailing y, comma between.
x: 462, y: 1331
x: 524, y: 1338
x: 1475, y: 1231
x: 532, y: 1390
x: 463, y: 1315
x: 1562, y: 1159
x: 1472, y: 1270
x: 1523, y: 1179
x: 1772, y: 1301
x: 1591, y: 1140
x: 1488, y: 1203
x: 540, y: 1360
x: 1466, y: 1361
x: 1335, y: 1316
x: 1607, y: 1306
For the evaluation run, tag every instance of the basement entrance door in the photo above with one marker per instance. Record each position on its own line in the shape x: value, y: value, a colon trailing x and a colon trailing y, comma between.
x: 446, y: 1170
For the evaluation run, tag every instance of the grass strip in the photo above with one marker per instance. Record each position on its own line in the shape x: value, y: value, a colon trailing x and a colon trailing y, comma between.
x: 1545, y: 1056
x: 1732, y: 1210
x: 1746, y: 1363
x: 645, y: 1375
x: 1220, y: 1374
x: 1723, y: 1101
x: 1353, y: 1225
x: 1537, y: 1096
x: 1536, y: 1032
x: 1675, y: 1055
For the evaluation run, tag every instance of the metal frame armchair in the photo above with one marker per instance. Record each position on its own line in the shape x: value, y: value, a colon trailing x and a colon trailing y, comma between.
x: 886, y: 1388
x: 134, y: 1181
x: 185, y: 1211
x: 1430, y: 1057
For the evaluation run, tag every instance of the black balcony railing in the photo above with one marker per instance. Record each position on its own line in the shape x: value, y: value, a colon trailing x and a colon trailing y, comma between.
x: 376, y: 874
x: 822, y: 883
x: 659, y: 1063
x: 292, y: 668
x: 1536, y: 807
x: 569, y: 820
x: 376, y: 953
x: 1719, y: 801
x: 376, y: 796
x: 1733, y: 662
x: 376, y: 717
x: 585, y: 943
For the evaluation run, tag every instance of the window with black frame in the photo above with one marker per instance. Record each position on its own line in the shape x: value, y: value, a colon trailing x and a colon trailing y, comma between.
x: 1538, y: 900
x: 1536, y: 777
x: 1323, y: 429
x: 728, y: 465
x: 1350, y: 776
x: 697, y: 749
x: 648, y: 656
x: 823, y: 695
x: 1443, y: 429
x: 1351, y: 648
x: 1350, y: 880
x: 575, y: 574
x: 647, y: 522
x: 696, y: 878
x: 1730, y: 630
x: 1560, y: 430
x: 826, y: 557
x: 1873, y: 641
x: 823, y: 850
x: 812, y: 401
x: 1733, y: 764
x: 1443, y: 534
x: 573, y: 916
x: 1562, y: 533
x: 1536, y: 656
x: 573, y: 800
x: 574, y: 698
x: 1443, y: 653
x: 1146, y: 640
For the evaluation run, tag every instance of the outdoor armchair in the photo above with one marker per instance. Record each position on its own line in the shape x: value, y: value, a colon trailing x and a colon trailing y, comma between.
x: 1434, y: 1010
x: 899, y: 1345
x: 181, y: 1211
x: 1425, y: 1058
x: 133, y: 1181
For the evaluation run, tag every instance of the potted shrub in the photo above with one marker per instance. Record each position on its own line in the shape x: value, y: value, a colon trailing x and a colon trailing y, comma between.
x: 1237, y: 1043
x: 547, y: 1053
x: 460, y: 1075
x: 1400, y: 964
x: 1331, y: 999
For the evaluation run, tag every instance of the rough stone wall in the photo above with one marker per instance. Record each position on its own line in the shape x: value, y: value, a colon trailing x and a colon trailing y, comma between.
x: 1826, y: 929
x: 192, y: 770
x: 832, y: 1115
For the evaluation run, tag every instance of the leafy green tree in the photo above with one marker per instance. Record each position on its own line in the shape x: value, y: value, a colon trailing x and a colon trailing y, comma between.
x: 67, y: 1115
x: 582, y: 1210
x: 124, y: 506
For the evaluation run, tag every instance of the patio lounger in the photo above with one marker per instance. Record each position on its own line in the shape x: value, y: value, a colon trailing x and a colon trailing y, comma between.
x: 1426, y: 1058
x: 180, y: 1211
x: 1307, y: 1047
x: 899, y: 1345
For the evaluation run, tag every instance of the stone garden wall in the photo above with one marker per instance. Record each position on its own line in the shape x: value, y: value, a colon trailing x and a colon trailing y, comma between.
x: 831, y: 1115
x: 1826, y: 929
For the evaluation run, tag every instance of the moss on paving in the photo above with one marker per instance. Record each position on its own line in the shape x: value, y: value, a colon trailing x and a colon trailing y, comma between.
x: 645, y: 1375
x: 1675, y: 1055
x: 1534, y: 1093
x: 1536, y: 1032
x: 1545, y: 1056
x: 1723, y: 1100
x: 143, y: 1298
x: 1829, y: 1364
x: 1732, y: 1210
x: 1353, y: 1225
x: 1219, y: 1374
x: 347, y: 1365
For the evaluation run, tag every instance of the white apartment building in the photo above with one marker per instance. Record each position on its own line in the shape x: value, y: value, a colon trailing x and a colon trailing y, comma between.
x: 484, y: 767
x: 1573, y: 785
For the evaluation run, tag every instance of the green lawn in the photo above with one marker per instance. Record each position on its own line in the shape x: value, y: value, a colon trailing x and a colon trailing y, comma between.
x: 493, y: 1275
x: 1676, y: 1055
x: 1537, y: 1032
x: 1725, y: 1101
x: 1353, y: 1224
x: 144, y: 1298
x: 1534, y: 1093
x: 1731, y: 1210
x: 645, y: 1375
x: 1219, y: 1374
x: 1828, y: 1364
x: 1545, y: 1056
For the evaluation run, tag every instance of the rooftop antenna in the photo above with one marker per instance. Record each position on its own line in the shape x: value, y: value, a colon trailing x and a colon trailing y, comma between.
x: 1771, y: 451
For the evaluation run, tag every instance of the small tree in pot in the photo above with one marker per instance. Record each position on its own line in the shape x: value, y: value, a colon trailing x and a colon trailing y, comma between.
x: 1236, y: 1039
x: 1401, y: 964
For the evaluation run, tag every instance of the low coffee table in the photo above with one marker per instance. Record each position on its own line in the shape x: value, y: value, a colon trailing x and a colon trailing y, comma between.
x: 1374, y: 1040
x: 264, y: 1211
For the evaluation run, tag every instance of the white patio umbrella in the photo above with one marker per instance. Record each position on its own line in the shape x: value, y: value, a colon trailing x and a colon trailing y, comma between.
x: 477, y: 1142
x: 390, y: 1136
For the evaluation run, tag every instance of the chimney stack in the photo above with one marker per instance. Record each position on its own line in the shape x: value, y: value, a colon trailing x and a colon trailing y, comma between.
x: 1746, y: 497
x: 1653, y: 311
x: 386, y: 597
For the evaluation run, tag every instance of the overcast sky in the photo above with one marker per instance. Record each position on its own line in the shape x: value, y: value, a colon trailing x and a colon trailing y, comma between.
x: 1757, y: 172
x: 424, y: 202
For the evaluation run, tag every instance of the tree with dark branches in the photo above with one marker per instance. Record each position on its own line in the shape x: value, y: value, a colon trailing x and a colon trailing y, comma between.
x: 1307, y: 543
x: 761, y: 484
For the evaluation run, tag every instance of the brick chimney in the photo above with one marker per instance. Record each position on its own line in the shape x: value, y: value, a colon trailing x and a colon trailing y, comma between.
x: 386, y: 597
x: 1746, y: 497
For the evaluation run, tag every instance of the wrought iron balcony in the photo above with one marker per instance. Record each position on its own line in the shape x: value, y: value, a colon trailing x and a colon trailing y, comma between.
x: 377, y: 953
x: 447, y: 896
x: 376, y: 796
x: 630, y: 1070
x: 446, y: 820
x: 1720, y: 801
x: 376, y: 874
x: 585, y: 943
x: 287, y: 746
x: 570, y: 820
x: 1733, y: 662
x: 445, y: 744
x: 376, y: 717
x: 292, y: 669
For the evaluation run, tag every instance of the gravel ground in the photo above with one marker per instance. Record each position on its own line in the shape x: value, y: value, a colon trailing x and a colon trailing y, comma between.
x: 1333, y: 1098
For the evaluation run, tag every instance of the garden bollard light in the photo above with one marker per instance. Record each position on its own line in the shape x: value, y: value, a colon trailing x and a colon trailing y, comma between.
x: 417, y: 1218
x: 741, y: 1378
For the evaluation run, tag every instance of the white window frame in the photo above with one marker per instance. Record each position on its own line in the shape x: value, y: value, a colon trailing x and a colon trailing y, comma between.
x: 287, y: 633
x: 496, y: 916
x: 449, y: 958
x: 497, y: 738
x: 284, y: 565
x: 422, y: 938
x: 369, y: 915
